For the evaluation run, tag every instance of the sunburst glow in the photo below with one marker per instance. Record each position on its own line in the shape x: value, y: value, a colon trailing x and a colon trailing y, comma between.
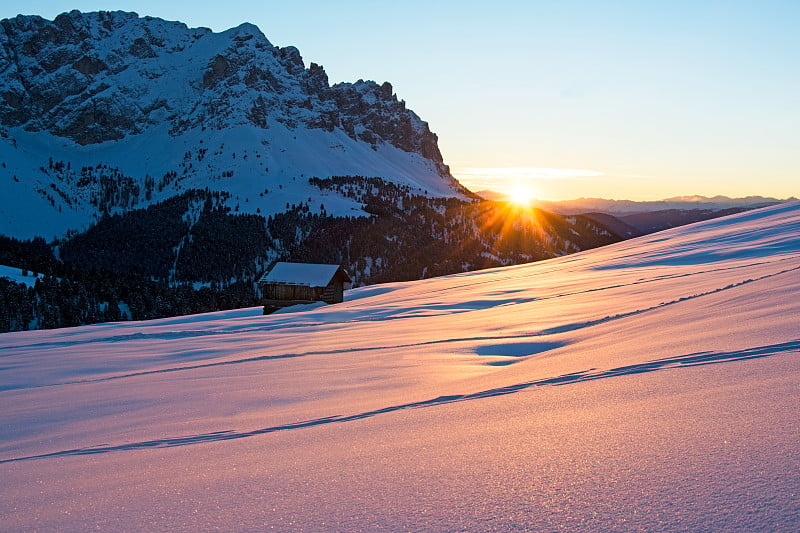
x: 521, y: 194
x: 521, y: 185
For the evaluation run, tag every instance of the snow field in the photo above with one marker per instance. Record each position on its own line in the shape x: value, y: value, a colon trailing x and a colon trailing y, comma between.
x: 647, y: 385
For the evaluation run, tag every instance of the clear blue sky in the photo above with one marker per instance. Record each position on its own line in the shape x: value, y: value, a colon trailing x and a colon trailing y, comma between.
x: 619, y: 99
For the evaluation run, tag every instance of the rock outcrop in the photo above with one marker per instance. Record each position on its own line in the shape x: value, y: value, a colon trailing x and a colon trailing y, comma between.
x: 96, y: 77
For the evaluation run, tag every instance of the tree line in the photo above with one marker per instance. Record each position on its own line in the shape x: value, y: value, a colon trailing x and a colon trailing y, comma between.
x: 191, y: 254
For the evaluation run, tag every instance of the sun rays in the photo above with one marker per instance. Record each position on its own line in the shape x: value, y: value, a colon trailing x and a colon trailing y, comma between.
x: 521, y: 193
x: 523, y: 185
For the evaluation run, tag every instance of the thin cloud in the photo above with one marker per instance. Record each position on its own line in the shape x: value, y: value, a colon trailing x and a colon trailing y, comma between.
x: 525, y: 173
x: 507, y: 179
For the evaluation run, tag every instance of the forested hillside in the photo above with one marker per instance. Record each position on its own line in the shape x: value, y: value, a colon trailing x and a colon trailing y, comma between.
x: 191, y: 254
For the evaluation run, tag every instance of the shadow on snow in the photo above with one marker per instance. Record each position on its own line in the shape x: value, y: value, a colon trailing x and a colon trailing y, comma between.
x: 694, y: 359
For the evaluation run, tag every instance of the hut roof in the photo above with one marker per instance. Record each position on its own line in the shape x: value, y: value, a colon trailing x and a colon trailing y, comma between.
x: 308, y: 274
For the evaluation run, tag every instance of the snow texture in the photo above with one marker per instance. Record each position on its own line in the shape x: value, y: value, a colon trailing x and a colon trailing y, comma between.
x: 18, y: 275
x: 308, y: 274
x: 647, y: 385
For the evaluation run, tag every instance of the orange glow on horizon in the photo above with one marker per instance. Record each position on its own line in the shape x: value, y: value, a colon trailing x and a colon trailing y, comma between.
x: 521, y: 194
x: 523, y: 185
x: 520, y: 226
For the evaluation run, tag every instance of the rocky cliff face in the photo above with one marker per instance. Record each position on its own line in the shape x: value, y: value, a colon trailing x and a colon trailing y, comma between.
x: 96, y: 77
x: 105, y: 112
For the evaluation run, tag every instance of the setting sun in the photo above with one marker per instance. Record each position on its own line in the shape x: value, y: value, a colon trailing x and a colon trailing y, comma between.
x: 521, y: 194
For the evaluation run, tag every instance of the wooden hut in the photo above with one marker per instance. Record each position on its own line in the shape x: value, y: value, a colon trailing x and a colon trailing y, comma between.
x: 300, y: 283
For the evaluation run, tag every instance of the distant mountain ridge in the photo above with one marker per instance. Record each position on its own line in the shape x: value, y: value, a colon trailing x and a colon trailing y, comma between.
x: 171, y: 108
x: 631, y: 218
x: 624, y: 207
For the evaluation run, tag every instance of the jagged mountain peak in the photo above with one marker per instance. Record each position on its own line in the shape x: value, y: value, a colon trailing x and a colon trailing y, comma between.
x: 191, y: 108
x: 95, y: 77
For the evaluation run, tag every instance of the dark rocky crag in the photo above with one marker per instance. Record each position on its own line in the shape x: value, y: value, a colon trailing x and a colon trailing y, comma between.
x: 96, y: 77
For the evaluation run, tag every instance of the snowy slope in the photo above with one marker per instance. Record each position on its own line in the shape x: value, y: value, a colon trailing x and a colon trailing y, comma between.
x: 18, y: 275
x: 152, y: 100
x: 278, y: 161
x: 647, y: 385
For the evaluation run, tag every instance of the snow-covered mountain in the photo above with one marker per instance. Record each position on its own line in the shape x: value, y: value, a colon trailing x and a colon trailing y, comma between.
x: 107, y: 111
x: 136, y: 146
x: 647, y: 385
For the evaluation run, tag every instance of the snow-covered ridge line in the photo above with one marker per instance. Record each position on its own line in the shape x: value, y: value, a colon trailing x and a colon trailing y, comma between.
x: 99, y: 76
